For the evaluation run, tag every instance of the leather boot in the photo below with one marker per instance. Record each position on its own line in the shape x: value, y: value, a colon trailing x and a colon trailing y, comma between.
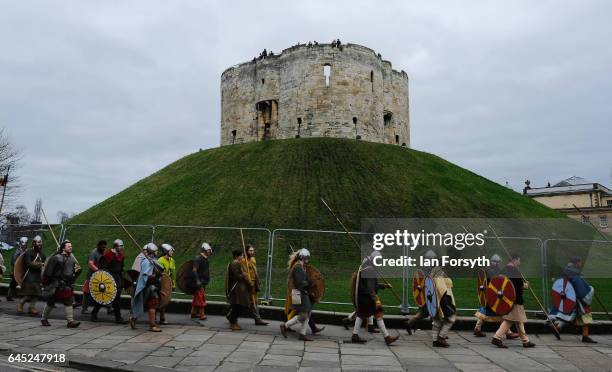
x: 440, y: 342
x: 235, y: 327
x: 153, y: 328
x: 391, y: 339
x: 306, y: 338
x: 498, y: 343
x: 479, y: 333
x: 73, y: 324
x: 588, y: 340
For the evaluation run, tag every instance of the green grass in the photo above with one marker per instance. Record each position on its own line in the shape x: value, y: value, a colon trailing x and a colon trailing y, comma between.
x: 277, y: 184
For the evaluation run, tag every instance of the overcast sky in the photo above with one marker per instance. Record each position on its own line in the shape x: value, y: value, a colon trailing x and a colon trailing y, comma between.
x: 98, y: 94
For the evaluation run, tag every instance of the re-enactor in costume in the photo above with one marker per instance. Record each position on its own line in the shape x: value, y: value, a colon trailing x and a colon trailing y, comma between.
x: 581, y: 316
x: 485, y: 314
x: 443, y: 320
x: 112, y: 261
x: 199, y: 280
x: 33, y: 260
x: 58, y: 278
x: 422, y: 313
x: 253, y: 279
x: 93, y: 263
x: 517, y: 315
x: 169, y: 265
x: 365, y: 288
x: 237, y: 289
x: 146, y: 294
x: 21, y: 248
x: 298, y: 285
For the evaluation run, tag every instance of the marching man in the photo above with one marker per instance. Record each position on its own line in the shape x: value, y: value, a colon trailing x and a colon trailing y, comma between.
x: 298, y: 285
x: 200, y: 279
x: 169, y: 265
x: 92, y: 265
x: 581, y: 316
x: 21, y: 248
x: 485, y: 314
x: 367, y: 301
x: 253, y: 283
x: 112, y: 261
x: 33, y: 260
x: 58, y: 278
x: 146, y: 294
x: 517, y: 315
x: 444, y: 319
x: 237, y: 289
x: 422, y: 313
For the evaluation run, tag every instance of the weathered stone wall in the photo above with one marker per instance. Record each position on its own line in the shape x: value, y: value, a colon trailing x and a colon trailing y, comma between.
x: 365, y: 98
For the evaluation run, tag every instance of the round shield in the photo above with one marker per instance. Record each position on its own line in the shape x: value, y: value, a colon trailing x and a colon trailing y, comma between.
x: 431, y: 298
x: 165, y: 292
x: 19, y: 270
x: 183, y: 276
x: 481, y: 287
x: 102, y: 287
x: 563, y: 296
x: 500, y: 294
x: 418, y: 288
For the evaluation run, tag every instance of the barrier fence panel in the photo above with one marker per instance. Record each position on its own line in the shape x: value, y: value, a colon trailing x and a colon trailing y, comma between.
x: 10, y: 234
x: 187, y: 241
x: 596, y: 256
x: 84, y: 239
x: 335, y: 255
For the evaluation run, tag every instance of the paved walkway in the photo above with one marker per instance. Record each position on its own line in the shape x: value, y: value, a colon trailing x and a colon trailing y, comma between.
x: 209, y: 346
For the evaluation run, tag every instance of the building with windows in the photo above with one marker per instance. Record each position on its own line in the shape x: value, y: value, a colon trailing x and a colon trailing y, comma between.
x: 593, y: 199
x: 315, y: 90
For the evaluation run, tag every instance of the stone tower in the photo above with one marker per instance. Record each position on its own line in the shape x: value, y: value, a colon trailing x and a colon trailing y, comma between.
x: 321, y: 90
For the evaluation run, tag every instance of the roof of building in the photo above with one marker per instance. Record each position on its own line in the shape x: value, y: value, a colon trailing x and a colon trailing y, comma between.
x: 570, y: 185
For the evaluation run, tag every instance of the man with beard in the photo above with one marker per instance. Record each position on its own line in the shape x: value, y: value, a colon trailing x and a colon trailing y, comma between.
x: 199, y: 280
x: 93, y: 263
x: 22, y: 246
x: 112, y: 261
x: 58, y: 278
x: 253, y: 279
x: 146, y: 294
x: 366, y: 299
x: 237, y: 289
x: 297, y: 285
x: 33, y: 260
x: 517, y: 315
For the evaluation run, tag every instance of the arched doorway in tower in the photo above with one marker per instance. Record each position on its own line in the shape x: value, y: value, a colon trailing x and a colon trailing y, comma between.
x: 267, y: 119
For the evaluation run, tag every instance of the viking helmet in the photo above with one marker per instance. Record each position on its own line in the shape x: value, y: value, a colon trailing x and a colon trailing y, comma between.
x: 165, y: 248
x: 23, y: 240
x: 206, y: 247
x: 118, y: 243
x: 150, y: 247
x: 37, y: 238
x: 303, y: 253
x: 431, y: 254
x: 496, y: 258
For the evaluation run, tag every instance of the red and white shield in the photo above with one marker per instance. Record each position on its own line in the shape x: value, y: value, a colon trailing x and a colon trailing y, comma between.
x: 563, y: 296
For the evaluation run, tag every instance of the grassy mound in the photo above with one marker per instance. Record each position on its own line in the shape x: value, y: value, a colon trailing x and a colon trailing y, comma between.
x: 279, y: 183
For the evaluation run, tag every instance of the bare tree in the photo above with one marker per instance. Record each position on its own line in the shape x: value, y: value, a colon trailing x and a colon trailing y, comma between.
x: 36, y: 217
x: 62, y: 216
x: 10, y: 158
x: 22, y: 214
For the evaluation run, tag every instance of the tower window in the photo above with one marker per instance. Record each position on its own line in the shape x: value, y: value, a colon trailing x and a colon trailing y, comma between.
x: 263, y: 81
x: 233, y: 136
x: 372, y: 80
x: 299, y: 120
x: 397, y: 139
x: 387, y: 116
x: 327, y: 73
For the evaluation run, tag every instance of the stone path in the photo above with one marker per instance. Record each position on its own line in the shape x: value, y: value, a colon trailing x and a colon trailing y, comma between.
x: 210, y: 346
